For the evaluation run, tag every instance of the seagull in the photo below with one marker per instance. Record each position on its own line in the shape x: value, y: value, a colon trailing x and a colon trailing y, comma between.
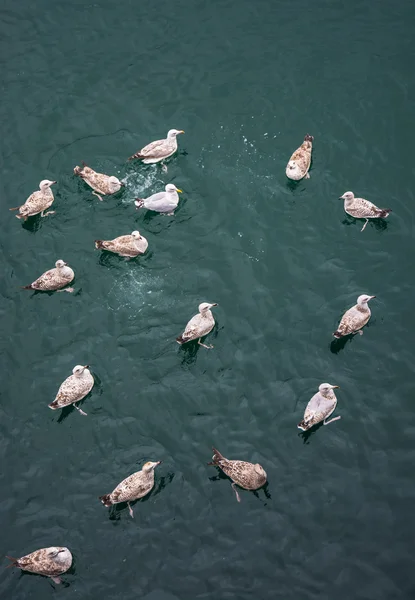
x: 136, y: 486
x: 54, y: 279
x: 50, y: 562
x: 162, y: 202
x: 74, y: 388
x: 101, y: 183
x: 128, y: 246
x: 37, y: 202
x: 160, y: 149
x: 355, y: 318
x: 245, y: 474
x: 363, y: 209
x: 300, y: 161
x: 199, y: 326
x: 320, y: 407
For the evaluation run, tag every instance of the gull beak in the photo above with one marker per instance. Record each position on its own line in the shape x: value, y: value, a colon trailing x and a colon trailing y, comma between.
x: 214, y: 304
x: 86, y: 367
x: 53, y: 182
x: 371, y: 297
x: 333, y: 387
x: 66, y: 264
x: 122, y: 184
x: 181, y: 131
x: 341, y: 197
x: 158, y: 463
x: 180, y: 191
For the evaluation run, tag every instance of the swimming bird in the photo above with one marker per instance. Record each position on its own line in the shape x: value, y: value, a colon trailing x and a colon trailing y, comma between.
x: 37, y: 202
x: 54, y: 279
x: 136, y: 486
x: 245, y: 474
x: 199, y: 326
x: 101, y: 183
x: 300, y: 161
x: 129, y: 246
x: 320, y: 407
x: 50, y: 562
x: 160, y: 149
x: 162, y: 202
x: 355, y: 318
x: 363, y: 209
x: 74, y: 388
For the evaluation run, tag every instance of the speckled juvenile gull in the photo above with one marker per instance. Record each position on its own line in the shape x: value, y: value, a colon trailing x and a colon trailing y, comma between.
x: 162, y: 202
x: 37, y: 202
x: 160, y: 149
x: 355, y: 318
x: 50, y: 562
x: 300, y: 161
x: 320, y: 407
x: 129, y: 246
x: 101, y: 183
x: 74, y: 388
x: 363, y: 209
x: 54, y: 279
x: 247, y: 475
x: 136, y: 486
x: 199, y: 325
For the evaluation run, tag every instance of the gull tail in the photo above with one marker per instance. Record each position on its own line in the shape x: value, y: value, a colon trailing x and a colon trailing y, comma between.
x: 384, y: 212
x: 216, y: 458
x: 53, y: 405
x: 303, y: 425
x: 180, y: 339
x: 338, y: 334
x: 139, y: 203
x: 99, y: 244
x: 106, y: 500
x: 14, y: 563
x: 136, y: 155
x: 308, y: 138
x: 15, y: 208
x: 77, y: 171
x: 27, y: 287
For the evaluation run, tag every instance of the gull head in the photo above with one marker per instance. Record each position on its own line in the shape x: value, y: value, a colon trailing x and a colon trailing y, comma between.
x: 347, y: 196
x: 364, y: 299
x: 293, y: 171
x: 79, y: 370
x: 45, y: 184
x: 59, y: 264
x: 260, y: 470
x: 170, y: 188
x: 136, y: 235
x: 114, y: 184
x: 205, y: 306
x: 174, y: 132
x: 326, y: 388
x: 149, y: 466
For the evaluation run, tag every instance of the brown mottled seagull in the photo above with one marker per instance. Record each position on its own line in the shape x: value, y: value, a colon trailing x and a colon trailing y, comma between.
x: 103, y: 184
x: 320, y: 407
x: 245, y: 474
x: 136, y: 486
x: 128, y: 246
x: 37, y: 202
x: 160, y: 149
x: 162, y: 202
x: 54, y: 279
x: 199, y: 326
x: 74, y: 388
x: 50, y: 562
x: 300, y: 161
x: 355, y: 318
x: 359, y: 208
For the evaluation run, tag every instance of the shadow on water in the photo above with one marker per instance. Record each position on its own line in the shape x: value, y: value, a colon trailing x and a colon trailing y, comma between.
x: 32, y: 224
x: 337, y: 345
x: 305, y: 435
x: 378, y: 224
x: 63, y: 583
x: 189, y: 350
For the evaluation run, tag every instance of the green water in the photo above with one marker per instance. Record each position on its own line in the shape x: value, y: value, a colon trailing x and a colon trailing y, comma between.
x: 246, y: 81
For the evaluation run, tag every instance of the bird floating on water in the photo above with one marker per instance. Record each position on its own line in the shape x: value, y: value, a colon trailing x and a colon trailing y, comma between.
x: 50, y: 562
x: 132, y: 488
x: 54, y: 279
x: 320, y: 407
x: 247, y: 475
x: 37, y: 202
x: 162, y: 202
x: 128, y: 246
x: 160, y: 149
x: 103, y: 185
x: 300, y: 161
x: 199, y: 326
x: 74, y: 388
x: 363, y: 209
x: 355, y: 318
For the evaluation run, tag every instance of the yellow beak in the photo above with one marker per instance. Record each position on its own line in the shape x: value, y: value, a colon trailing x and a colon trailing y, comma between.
x: 181, y: 131
x: 336, y: 386
x: 177, y: 190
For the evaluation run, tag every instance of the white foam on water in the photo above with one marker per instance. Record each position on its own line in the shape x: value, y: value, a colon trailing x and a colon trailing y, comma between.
x: 142, y: 185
